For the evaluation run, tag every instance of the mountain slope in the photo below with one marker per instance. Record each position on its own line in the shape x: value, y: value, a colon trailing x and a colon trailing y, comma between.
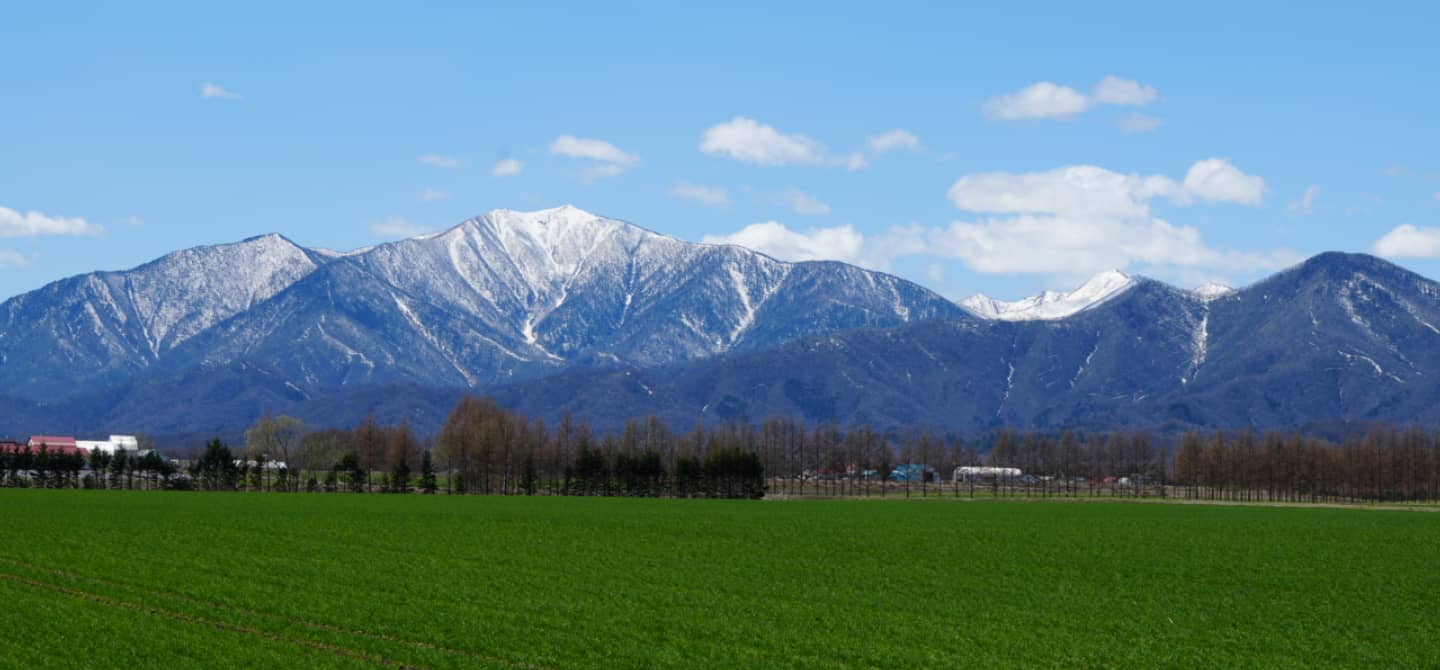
x: 104, y: 326
x: 1339, y: 340
x: 511, y: 295
x: 508, y: 295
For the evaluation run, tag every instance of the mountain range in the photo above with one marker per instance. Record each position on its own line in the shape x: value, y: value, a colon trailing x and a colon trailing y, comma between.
x: 562, y: 311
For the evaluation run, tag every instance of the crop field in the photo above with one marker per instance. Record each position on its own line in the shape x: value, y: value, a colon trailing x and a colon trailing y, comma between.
x: 151, y: 579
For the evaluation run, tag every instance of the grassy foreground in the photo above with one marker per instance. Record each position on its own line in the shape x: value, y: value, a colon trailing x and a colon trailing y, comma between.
x: 116, y: 579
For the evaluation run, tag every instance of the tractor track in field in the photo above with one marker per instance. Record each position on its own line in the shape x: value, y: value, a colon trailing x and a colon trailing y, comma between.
x: 178, y: 616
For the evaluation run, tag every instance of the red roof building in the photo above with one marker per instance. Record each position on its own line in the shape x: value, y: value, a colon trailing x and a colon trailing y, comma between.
x: 55, y: 444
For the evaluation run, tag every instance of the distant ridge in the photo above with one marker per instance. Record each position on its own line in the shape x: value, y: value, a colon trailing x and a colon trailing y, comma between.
x: 563, y: 311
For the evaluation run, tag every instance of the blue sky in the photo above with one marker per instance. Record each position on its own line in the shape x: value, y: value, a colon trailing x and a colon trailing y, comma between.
x: 1036, y: 143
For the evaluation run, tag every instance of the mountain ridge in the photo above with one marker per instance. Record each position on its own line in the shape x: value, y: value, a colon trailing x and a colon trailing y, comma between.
x: 560, y: 311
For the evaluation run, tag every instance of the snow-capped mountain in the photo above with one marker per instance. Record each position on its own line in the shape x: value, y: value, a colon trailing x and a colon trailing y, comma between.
x: 1051, y: 304
x: 98, y: 327
x: 505, y: 295
x: 1338, y: 342
x: 561, y: 311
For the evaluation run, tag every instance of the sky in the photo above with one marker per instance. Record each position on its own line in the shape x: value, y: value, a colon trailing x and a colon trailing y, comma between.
x: 1002, y: 149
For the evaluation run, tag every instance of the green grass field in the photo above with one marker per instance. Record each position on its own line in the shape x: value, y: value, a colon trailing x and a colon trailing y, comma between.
x: 115, y: 579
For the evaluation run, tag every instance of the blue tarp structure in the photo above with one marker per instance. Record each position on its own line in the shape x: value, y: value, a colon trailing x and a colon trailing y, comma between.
x: 913, y: 472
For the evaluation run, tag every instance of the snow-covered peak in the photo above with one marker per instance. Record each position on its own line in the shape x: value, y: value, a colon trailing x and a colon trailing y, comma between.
x: 187, y: 291
x: 1211, y: 291
x: 1051, y: 304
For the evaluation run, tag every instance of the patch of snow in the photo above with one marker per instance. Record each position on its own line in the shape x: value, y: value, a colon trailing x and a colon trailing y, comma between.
x: 1211, y: 291
x: 747, y: 318
x: 1051, y: 305
x: 1009, y: 385
x: 1200, y: 346
x: 1086, y: 365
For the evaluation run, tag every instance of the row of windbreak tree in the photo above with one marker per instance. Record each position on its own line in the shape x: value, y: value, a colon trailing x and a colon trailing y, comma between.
x: 42, y: 468
x: 487, y: 449
x: 1387, y: 464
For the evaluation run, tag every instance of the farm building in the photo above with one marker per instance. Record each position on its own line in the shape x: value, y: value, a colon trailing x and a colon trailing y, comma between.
x: 55, y: 444
x: 115, y: 443
x: 977, y: 473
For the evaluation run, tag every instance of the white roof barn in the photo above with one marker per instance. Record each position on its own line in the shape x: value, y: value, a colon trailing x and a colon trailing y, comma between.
x: 112, y: 445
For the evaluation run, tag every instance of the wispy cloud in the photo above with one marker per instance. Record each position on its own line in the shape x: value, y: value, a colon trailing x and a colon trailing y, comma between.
x: 891, y: 140
x: 1048, y: 100
x: 750, y: 141
x: 431, y: 195
x: 396, y: 227
x: 804, y: 203
x: 35, y: 224
x: 1306, y: 203
x: 9, y: 258
x: 711, y: 196
x: 841, y: 243
x: 214, y: 92
x: 610, y: 159
x: 1043, y: 100
x: 507, y: 167
x: 436, y: 160
x: 1139, y: 123
x: 1113, y: 90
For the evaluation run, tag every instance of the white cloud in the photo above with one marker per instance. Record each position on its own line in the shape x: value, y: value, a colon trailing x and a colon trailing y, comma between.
x: 1071, y: 246
x: 1216, y: 180
x: 10, y: 258
x: 602, y: 171
x: 507, y: 167
x: 1087, y: 190
x: 209, y: 90
x: 1113, y: 90
x: 804, y: 203
x: 1048, y: 100
x: 1045, y: 100
x: 1139, y: 123
x: 396, y: 226
x: 841, y: 243
x: 750, y: 141
x: 891, y: 140
x: 431, y: 195
x: 1076, y: 190
x: 853, y: 162
x: 599, y: 150
x: 135, y: 221
x: 713, y: 196
x: 1081, y: 219
x: 34, y: 224
x: 1407, y: 241
x: 610, y: 159
x: 1306, y: 203
x: 436, y: 160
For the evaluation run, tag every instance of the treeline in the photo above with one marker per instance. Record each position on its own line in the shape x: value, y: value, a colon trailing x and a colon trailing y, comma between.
x: 1387, y: 464
x: 486, y: 449
x: 41, y: 468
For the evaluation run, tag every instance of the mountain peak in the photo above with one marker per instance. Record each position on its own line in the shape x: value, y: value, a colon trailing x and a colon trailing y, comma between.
x: 1052, y: 304
x: 1211, y: 291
